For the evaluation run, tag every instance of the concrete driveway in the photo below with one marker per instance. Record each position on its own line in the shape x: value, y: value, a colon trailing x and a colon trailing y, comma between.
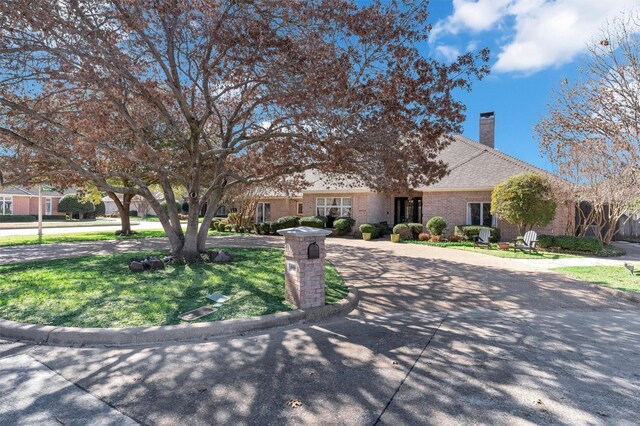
x: 440, y: 337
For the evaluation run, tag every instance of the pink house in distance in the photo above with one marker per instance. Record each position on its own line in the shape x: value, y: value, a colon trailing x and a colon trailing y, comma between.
x: 20, y: 201
x: 463, y: 197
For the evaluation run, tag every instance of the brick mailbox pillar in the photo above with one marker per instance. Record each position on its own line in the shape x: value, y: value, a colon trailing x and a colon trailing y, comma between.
x: 304, y: 255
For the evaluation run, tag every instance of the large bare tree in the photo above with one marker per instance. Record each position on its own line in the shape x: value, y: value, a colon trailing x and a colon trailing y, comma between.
x: 207, y: 95
x: 591, y: 132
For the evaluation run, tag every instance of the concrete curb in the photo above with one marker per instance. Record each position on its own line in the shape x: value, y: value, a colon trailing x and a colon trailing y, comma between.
x: 630, y: 297
x: 76, y: 336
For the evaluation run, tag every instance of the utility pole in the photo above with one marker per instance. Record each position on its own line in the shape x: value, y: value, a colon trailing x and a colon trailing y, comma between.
x: 40, y: 214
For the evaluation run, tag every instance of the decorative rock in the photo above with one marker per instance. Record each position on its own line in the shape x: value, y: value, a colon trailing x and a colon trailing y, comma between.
x: 222, y: 257
x: 136, y: 266
x: 168, y: 259
x: 155, y: 263
x: 212, y: 255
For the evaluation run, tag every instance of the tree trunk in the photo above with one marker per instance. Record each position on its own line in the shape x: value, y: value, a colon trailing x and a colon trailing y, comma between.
x: 123, y: 209
x: 191, y: 250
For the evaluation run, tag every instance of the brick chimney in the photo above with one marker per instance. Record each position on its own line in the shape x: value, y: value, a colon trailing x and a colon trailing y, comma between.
x: 487, y: 128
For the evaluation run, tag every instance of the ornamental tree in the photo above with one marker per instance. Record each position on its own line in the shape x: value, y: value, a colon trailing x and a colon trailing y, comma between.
x: 74, y: 203
x: 525, y: 200
x: 206, y: 96
x: 591, y: 131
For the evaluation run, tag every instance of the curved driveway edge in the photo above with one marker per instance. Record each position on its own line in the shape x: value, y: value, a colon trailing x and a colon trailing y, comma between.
x: 76, y: 336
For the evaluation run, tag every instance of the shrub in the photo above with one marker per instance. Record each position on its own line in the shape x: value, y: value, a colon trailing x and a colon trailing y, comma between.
x: 164, y: 207
x: 214, y: 224
x: 344, y: 225
x: 185, y: 207
x: 423, y: 236
x: 436, y: 225
x: 133, y: 213
x: 367, y: 228
x: 73, y: 203
x: 416, y: 229
x: 100, y: 209
x: 568, y: 242
x: 455, y: 239
x: 284, y: 223
x: 313, y: 222
x: 230, y: 228
x: 403, y: 230
x: 468, y: 232
x: 18, y: 218
x: 545, y: 241
x: 53, y: 217
x: 381, y: 230
x: 221, y: 225
x: 436, y: 238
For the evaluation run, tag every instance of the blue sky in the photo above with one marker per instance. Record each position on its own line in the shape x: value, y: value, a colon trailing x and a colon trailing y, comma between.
x: 534, y: 45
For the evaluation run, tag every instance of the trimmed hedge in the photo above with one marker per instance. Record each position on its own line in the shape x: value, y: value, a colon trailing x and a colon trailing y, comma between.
x: 18, y: 218
x: 403, y: 230
x: 284, y: 222
x: 344, y: 225
x: 570, y: 243
x: 313, y: 221
x: 53, y: 217
x: 436, y: 225
x: 133, y: 213
x: 468, y: 232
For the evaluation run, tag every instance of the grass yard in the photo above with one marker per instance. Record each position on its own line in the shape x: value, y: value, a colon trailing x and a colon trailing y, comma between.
x: 26, y: 240
x: 99, y: 291
x: 62, y: 224
x: 617, y: 277
x: 468, y: 246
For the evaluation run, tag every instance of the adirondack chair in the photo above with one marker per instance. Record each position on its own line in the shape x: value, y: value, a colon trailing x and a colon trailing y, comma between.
x: 528, y: 242
x: 482, y: 240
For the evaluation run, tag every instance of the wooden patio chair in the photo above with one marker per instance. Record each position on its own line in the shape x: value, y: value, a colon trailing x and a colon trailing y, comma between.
x: 482, y: 240
x: 528, y: 242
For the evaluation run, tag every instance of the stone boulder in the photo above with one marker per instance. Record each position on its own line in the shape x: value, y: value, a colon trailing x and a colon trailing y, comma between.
x: 222, y: 257
x: 135, y: 266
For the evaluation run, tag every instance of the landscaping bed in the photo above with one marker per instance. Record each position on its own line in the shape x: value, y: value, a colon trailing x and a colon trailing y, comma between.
x: 100, y: 291
x: 616, y: 277
x: 494, y: 251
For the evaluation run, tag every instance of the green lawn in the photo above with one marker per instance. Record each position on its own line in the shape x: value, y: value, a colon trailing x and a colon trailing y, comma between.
x: 617, y: 277
x: 494, y: 251
x: 99, y: 291
x: 25, y: 240
x: 62, y: 223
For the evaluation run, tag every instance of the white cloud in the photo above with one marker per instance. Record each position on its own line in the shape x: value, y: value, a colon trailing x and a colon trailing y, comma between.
x: 542, y: 33
x: 450, y: 53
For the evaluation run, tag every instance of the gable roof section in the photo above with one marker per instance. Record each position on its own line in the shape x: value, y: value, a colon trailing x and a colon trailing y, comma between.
x: 32, y: 191
x: 474, y: 166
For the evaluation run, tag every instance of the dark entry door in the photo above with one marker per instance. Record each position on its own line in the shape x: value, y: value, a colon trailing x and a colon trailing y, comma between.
x: 408, y: 210
x: 401, y: 210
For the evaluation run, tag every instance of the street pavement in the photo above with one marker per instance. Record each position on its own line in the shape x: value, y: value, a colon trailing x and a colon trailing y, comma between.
x: 440, y: 336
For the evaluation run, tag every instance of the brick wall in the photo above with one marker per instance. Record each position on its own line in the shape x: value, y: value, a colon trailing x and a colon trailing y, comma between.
x: 452, y: 206
x: 21, y: 205
x: 304, y: 278
x: 281, y: 207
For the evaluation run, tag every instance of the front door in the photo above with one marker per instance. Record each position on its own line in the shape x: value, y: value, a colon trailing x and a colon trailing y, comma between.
x: 401, y: 210
x: 408, y: 210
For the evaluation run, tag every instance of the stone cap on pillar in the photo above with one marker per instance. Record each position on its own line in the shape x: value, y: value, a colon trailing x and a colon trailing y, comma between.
x: 304, y: 231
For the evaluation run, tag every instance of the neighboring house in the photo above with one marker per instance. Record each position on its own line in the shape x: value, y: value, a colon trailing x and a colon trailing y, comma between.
x: 463, y: 197
x: 19, y: 200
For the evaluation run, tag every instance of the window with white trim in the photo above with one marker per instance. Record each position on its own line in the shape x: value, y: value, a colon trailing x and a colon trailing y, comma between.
x: 480, y: 214
x: 47, y: 206
x: 263, y: 212
x: 300, y: 208
x: 6, y: 205
x: 334, y: 207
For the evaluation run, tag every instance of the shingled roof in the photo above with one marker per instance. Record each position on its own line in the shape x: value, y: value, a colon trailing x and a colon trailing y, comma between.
x: 475, y: 166
x: 32, y: 191
x: 472, y: 166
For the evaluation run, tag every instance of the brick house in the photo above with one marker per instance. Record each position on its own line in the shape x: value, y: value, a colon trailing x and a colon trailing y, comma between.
x: 463, y: 197
x: 19, y: 200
